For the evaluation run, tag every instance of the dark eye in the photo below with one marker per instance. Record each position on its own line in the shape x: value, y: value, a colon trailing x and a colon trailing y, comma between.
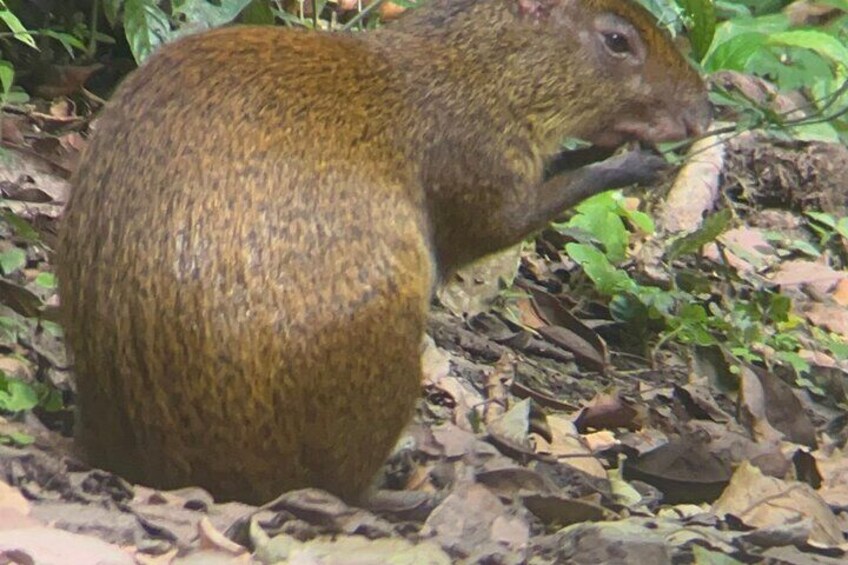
x: 617, y: 43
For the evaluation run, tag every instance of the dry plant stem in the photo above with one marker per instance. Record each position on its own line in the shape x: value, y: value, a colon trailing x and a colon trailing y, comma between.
x: 695, y: 188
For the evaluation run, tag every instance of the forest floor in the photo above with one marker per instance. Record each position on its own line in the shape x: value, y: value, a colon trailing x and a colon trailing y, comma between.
x: 549, y: 430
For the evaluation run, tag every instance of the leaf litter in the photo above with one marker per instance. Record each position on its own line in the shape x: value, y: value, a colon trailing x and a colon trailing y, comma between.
x: 542, y: 434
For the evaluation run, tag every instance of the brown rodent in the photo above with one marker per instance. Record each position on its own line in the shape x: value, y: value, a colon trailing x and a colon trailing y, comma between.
x: 261, y: 216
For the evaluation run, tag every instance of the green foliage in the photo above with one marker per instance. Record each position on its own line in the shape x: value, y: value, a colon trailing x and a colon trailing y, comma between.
x: 146, y: 26
x: 46, y: 281
x: 150, y: 23
x: 12, y: 260
x: 713, y: 227
x: 701, y: 21
x: 742, y: 317
x: 605, y: 216
x: 19, y: 32
x: 16, y: 395
x: 16, y: 438
x: 764, y: 43
x: 15, y: 26
x: 832, y: 232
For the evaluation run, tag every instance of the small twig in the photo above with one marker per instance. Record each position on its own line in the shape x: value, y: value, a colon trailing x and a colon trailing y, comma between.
x: 358, y: 17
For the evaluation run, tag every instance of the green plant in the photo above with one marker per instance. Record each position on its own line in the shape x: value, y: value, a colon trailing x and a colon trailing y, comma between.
x: 18, y: 32
x: 829, y: 229
x: 16, y: 395
x: 150, y: 23
x: 746, y: 318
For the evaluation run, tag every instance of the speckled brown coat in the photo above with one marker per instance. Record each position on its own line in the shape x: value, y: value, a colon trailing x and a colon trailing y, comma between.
x: 262, y: 214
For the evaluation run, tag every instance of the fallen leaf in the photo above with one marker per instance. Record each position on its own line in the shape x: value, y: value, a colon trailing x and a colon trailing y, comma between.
x: 768, y: 503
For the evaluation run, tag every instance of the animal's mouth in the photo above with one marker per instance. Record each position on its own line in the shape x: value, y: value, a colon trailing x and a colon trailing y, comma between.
x: 660, y: 127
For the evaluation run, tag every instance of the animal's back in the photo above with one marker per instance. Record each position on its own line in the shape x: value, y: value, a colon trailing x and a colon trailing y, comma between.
x: 226, y: 266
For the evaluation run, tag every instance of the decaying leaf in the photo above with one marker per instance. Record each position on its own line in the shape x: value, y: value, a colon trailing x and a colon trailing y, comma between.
x: 768, y: 503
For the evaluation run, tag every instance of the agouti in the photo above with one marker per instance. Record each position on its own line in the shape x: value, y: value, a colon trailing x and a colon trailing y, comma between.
x: 257, y: 226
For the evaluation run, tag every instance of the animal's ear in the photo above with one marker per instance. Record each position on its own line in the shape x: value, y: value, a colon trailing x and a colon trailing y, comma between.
x: 540, y: 9
x: 535, y: 8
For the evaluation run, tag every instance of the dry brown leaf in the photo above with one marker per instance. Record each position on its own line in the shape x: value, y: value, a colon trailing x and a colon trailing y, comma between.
x: 746, y: 249
x: 752, y: 408
x: 211, y: 538
x: 12, y: 499
x: 511, y: 430
x: 840, y: 293
x: 468, y: 519
x: 766, y: 502
x: 496, y: 383
x: 832, y: 317
x: 834, y: 471
x: 607, y: 411
x: 569, y: 448
x: 527, y: 314
x: 557, y: 510
x: 600, y: 441
x: 435, y: 363
x: 453, y: 440
x: 343, y: 550
x: 818, y: 275
x: 474, y: 287
x: 685, y: 470
x: 769, y: 408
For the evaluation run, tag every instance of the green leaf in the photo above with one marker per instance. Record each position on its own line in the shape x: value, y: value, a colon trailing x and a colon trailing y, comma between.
x: 46, y: 280
x: 608, y: 228
x: 822, y: 218
x: 7, y: 76
x: 608, y: 280
x: 12, y: 259
x: 728, y: 9
x: 822, y: 131
x: 794, y: 360
x: 804, y: 247
x: 841, y: 4
x: 16, y: 395
x: 727, y: 31
x: 15, y: 25
x: 202, y: 14
x: 842, y: 227
x: 17, y: 96
x: 820, y: 42
x: 258, y: 12
x: 667, y: 12
x: 146, y: 27
x: 68, y: 41
x: 52, y: 328
x: 21, y: 227
x: 52, y: 401
x: 702, y: 24
x: 735, y: 53
x: 16, y: 438
x: 641, y: 220
x: 712, y: 227
x: 111, y: 9
x: 602, y: 216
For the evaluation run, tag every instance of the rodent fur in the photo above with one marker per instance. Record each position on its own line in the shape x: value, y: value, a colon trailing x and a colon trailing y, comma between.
x: 261, y: 217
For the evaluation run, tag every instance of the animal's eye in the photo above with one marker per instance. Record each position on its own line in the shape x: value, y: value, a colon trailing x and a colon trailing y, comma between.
x: 617, y: 43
